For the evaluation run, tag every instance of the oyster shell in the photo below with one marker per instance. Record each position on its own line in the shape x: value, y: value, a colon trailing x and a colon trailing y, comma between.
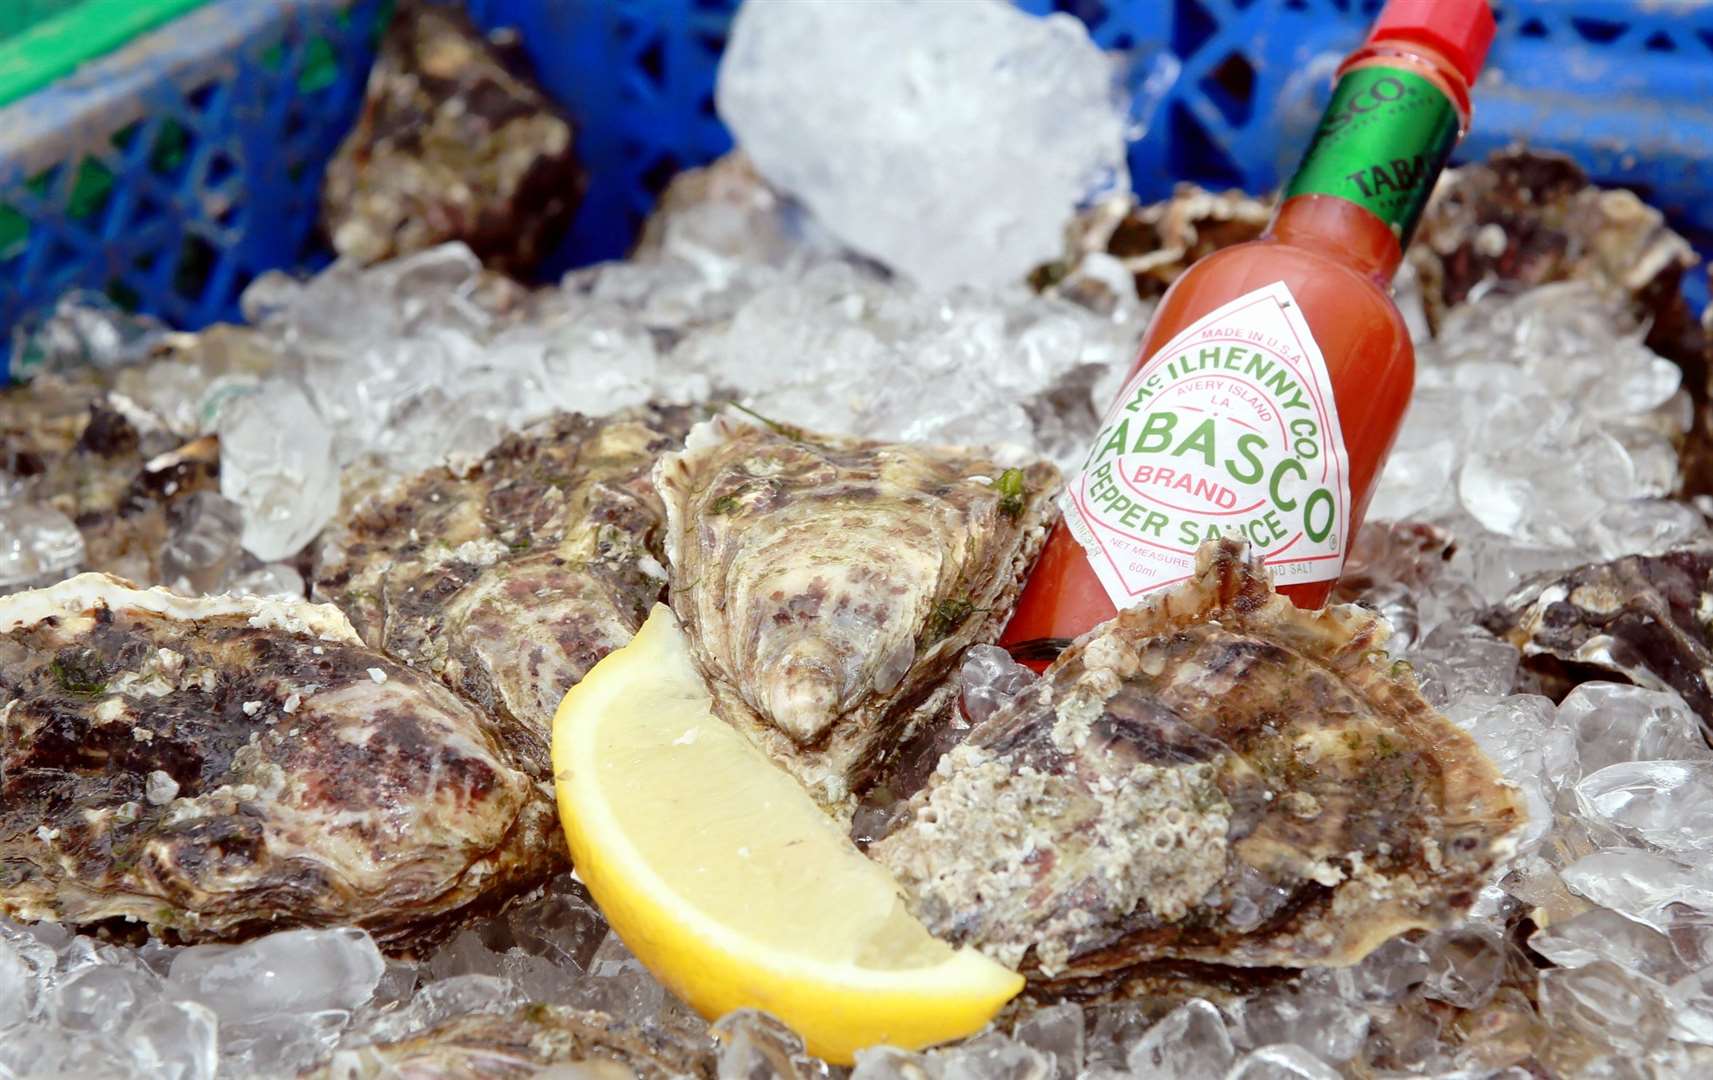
x: 221, y: 766
x: 511, y: 580
x: 829, y: 585
x: 454, y: 143
x: 535, y: 1040
x: 1642, y: 618
x: 1214, y: 776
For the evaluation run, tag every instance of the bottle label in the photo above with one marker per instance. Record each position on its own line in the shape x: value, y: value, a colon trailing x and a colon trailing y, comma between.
x: 1381, y: 144
x: 1229, y: 430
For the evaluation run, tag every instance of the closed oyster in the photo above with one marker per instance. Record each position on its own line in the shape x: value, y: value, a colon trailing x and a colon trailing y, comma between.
x: 1641, y: 618
x: 535, y: 1040
x: 829, y: 585
x: 1214, y: 776
x: 509, y: 580
x: 221, y: 766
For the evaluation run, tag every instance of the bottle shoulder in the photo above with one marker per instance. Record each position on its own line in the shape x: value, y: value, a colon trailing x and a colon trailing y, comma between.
x: 1338, y: 300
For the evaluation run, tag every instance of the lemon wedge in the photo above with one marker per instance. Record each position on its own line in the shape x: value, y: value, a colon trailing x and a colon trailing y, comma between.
x: 719, y: 871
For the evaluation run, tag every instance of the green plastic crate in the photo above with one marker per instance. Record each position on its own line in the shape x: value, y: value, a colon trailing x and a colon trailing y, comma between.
x: 41, y: 40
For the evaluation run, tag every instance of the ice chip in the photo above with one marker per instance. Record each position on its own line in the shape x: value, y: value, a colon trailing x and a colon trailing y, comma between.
x: 175, y: 1040
x: 755, y: 1046
x: 1464, y: 967
x: 20, y: 985
x: 203, y: 539
x: 990, y: 678
x: 1640, y: 884
x: 292, y: 971
x: 1666, y: 804
x: 276, y: 462
x: 950, y: 141
x: 1616, y: 722
x: 1599, y: 934
x: 1284, y: 1062
x: 1056, y: 1030
x: 102, y: 997
x: 1188, y: 1043
x: 891, y: 1063
x: 994, y: 1057
x: 1330, y: 1029
x: 38, y: 545
x: 1602, y: 1002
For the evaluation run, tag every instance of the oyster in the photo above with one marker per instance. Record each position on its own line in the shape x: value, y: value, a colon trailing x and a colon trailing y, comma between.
x: 536, y: 1040
x: 829, y: 585
x: 1214, y: 776
x: 511, y: 580
x: 1642, y: 618
x: 219, y: 767
x: 120, y: 452
x: 453, y: 144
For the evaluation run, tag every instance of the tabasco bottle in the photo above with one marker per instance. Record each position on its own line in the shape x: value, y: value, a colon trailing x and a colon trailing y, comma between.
x: 1275, y: 374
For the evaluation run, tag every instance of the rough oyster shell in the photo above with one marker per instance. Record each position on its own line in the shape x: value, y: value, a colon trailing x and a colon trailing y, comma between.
x: 1642, y: 618
x: 535, y: 1040
x: 1214, y: 776
x: 829, y: 585
x: 512, y: 580
x: 452, y: 144
x: 222, y: 766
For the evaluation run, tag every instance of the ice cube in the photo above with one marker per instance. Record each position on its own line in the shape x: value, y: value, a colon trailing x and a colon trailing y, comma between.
x: 1188, y: 1043
x: 1057, y: 1030
x: 1603, y: 1003
x: 1690, y: 1001
x: 272, y: 581
x: 20, y: 985
x: 175, y: 1040
x: 990, y: 678
x: 440, y: 1001
x: 38, y: 545
x: 102, y: 997
x: 292, y: 971
x: 1599, y: 934
x: 1330, y: 1029
x: 1529, y: 742
x: 1464, y: 967
x: 1615, y: 722
x: 202, y: 541
x: 1386, y: 974
x: 1647, y: 526
x: 994, y: 1057
x: 1640, y: 884
x: 891, y: 1063
x: 1285, y: 1062
x: 755, y: 1046
x: 1668, y: 804
x: 276, y: 462
x: 620, y: 985
x: 950, y: 141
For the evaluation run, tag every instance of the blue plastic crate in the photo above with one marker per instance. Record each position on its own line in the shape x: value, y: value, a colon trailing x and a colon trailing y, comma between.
x: 1625, y: 86
x: 174, y: 170
x: 212, y: 133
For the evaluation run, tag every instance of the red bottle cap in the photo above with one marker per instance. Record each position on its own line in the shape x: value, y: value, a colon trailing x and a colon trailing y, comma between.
x: 1461, y: 29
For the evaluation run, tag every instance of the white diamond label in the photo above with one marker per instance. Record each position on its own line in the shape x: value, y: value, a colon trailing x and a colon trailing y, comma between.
x: 1229, y: 430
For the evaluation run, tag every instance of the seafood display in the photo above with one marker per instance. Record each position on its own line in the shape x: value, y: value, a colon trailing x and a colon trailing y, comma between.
x: 829, y: 586
x: 219, y: 767
x: 287, y: 610
x: 1216, y: 776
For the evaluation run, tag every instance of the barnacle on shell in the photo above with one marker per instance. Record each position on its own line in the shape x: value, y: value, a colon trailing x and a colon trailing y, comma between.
x: 1213, y: 776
